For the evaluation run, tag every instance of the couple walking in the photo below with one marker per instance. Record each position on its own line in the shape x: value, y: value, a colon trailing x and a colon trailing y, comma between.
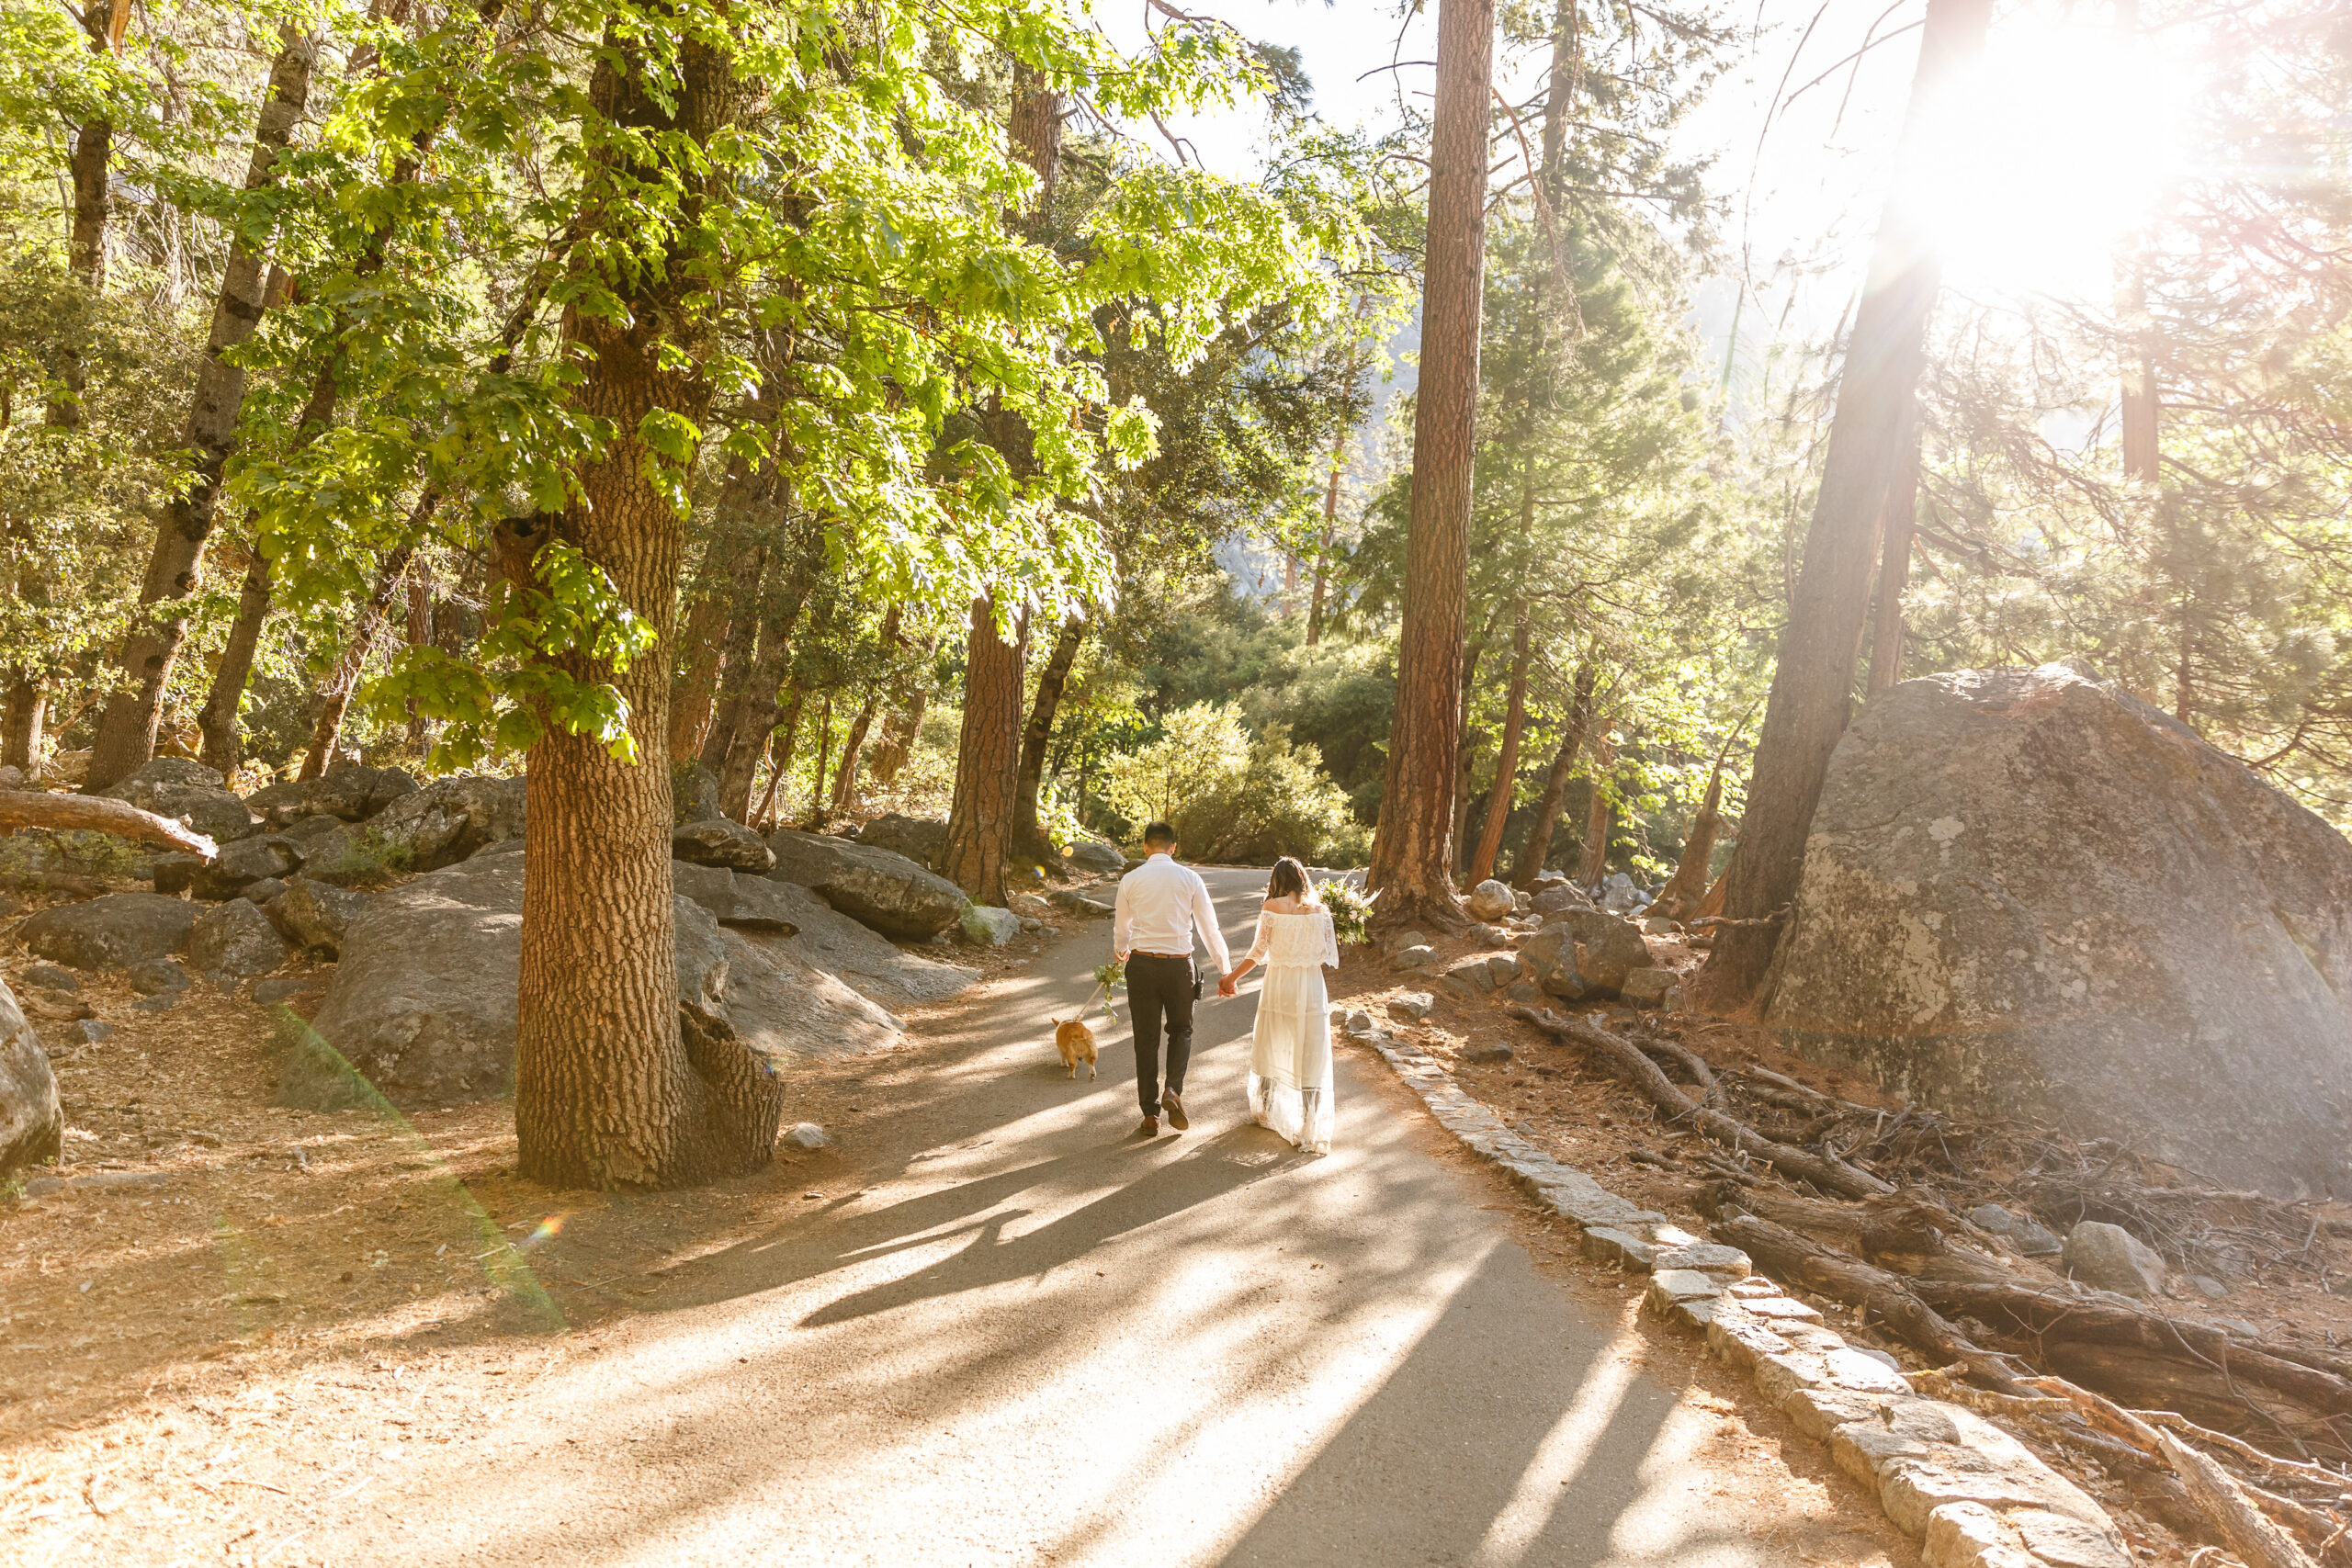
x: 1162, y: 905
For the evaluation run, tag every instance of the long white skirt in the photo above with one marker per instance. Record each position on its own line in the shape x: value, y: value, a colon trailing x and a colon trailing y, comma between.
x: 1290, y: 1057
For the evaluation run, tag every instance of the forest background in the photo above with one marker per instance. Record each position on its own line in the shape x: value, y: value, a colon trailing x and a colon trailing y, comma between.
x: 1143, y: 407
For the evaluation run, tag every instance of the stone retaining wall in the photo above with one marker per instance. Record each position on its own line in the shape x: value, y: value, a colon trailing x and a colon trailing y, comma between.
x: 1974, y: 1496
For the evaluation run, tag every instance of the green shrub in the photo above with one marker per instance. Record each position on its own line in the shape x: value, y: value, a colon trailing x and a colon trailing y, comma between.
x: 1235, y: 797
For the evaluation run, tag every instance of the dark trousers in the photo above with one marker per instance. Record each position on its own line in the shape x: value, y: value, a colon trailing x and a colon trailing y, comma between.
x: 1160, y: 988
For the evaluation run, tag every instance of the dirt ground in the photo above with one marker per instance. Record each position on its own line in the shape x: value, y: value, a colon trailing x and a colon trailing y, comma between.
x: 215, y: 1366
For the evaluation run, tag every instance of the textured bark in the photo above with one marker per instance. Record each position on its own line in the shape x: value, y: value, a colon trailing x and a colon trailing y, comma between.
x: 900, y: 735
x: 23, y: 707
x: 611, y: 1089
x: 737, y: 695
x: 223, y: 746
x: 703, y: 645
x: 1465, y: 757
x: 1412, y: 848
x: 749, y: 712
x: 334, y: 701
x: 1596, y: 819
x: 988, y: 755
x: 126, y: 732
x: 1036, y: 130
x: 1538, y: 848
x: 1052, y: 680
x: 1490, y: 839
x: 1813, y: 678
x: 1688, y: 883
x: 1898, y: 530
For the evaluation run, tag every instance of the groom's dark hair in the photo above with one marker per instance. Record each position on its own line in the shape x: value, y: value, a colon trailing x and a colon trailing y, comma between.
x: 1156, y: 834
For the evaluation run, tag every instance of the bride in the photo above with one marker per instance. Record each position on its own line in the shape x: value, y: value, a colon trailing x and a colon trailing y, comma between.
x: 1290, y: 1057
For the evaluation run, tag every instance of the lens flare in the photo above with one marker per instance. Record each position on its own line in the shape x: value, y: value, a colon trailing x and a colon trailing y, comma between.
x: 551, y: 1227
x: 2032, y: 168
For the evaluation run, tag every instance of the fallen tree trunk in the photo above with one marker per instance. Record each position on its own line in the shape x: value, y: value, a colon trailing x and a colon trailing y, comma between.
x: 2146, y: 1361
x: 2254, y: 1537
x: 97, y: 814
x: 1631, y: 1066
x: 1787, y: 1255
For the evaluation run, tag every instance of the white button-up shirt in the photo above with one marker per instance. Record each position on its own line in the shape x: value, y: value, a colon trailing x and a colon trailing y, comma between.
x: 1161, y: 905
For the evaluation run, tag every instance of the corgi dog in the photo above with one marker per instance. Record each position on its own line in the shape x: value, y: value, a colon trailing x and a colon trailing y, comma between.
x: 1076, y: 1042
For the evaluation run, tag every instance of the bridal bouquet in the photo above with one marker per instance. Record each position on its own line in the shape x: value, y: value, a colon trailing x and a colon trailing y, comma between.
x: 1351, y: 909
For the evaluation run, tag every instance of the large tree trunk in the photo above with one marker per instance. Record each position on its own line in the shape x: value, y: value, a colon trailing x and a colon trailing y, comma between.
x: 702, y: 645
x: 1688, y: 883
x: 988, y: 757
x: 223, y: 746
x: 1465, y: 756
x: 616, y: 1083
x: 1813, y: 677
x: 334, y: 701
x: 899, y: 736
x: 1027, y: 836
x: 125, y: 733
x: 1897, y: 532
x: 1490, y: 841
x: 1538, y: 847
x: 1412, y: 848
x: 24, y: 706
x: 737, y: 695
x: 748, y: 710
x: 1596, y: 818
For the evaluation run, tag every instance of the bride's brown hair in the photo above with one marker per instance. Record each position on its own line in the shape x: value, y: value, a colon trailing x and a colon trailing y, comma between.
x: 1289, y: 881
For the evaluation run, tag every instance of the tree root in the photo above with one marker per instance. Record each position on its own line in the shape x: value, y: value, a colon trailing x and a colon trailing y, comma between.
x: 1631, y: 1066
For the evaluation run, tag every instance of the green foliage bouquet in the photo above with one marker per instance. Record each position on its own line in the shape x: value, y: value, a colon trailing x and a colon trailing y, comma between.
x: 1351, y: 909
x: 1108, y: 977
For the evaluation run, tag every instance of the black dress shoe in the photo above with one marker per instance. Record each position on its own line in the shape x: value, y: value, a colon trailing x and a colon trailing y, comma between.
x: 1150, y: 1128
x: 1173, y: 1103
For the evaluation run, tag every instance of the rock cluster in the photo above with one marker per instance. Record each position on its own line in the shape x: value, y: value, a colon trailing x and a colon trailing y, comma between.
x: 31, y: 1123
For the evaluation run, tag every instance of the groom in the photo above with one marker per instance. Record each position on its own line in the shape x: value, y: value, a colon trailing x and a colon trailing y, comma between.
x: 1162, y: 905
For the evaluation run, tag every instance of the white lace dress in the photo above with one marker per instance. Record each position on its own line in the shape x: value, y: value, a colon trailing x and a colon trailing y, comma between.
x: 1290, y: 1055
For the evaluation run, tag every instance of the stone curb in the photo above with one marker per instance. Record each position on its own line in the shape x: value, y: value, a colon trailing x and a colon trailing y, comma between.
x: 1974, y: 1495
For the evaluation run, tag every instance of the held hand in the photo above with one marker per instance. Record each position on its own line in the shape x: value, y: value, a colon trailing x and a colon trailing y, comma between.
x: 1228, y: 986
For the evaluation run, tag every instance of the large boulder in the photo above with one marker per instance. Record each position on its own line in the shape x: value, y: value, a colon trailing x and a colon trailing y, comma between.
x: 886, y: 891
x: 234, y: 942
x: 313, y: 916
x: 436, y: 825
x: 1090, y: 856
x: 112, y: 932
x: 820, y: 937
x: 1549, y: 959
x: 1608, y: 948
x: 694, y: 794
x: 174, y: 786
x: 2028, y: 894
x: 239, y: 864
x: 717, y: 842
x: 783, y: 1006
x: 32, y: 1125
x: 424, y: 1001
x: 349, y: 793
x: 922, y: 839
x: 1490, y: 900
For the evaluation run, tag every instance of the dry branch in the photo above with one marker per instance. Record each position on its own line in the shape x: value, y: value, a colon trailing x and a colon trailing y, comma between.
x: 96, y: 814
x: 1633, y: 1067
x: 2254, y: 1537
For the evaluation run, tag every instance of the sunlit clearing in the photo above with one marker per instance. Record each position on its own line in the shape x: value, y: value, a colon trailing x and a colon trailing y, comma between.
x: 2034, y: 168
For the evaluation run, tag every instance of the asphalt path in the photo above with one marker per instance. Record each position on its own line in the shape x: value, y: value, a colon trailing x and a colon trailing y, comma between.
x: 1032, y: 1337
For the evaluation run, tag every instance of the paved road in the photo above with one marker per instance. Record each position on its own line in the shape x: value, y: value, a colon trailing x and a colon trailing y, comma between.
x: 1037, y: 1339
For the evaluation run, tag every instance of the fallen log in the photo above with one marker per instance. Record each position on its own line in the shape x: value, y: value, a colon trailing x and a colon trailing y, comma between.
x: 96, y: 814
x: 2254, y: 1537
x: 1784, y: 1254
x: 1634, y: 1068
x: 2149, y: 1361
